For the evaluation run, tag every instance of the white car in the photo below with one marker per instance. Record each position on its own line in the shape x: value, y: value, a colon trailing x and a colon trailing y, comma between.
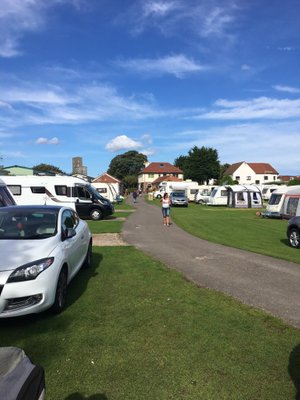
x: 42, y: 248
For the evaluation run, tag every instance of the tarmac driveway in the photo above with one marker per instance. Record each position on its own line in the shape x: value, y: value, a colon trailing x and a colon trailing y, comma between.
x: 260, y: 281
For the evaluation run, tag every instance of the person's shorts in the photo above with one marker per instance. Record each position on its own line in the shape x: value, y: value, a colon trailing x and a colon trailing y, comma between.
x: 165, y: 211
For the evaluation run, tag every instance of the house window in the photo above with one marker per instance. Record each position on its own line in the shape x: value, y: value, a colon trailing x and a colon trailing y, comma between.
x: 266, y: 177
x: 237, y: 178
x: 257, y: 182
x: 150, y: 175
x: 248, y: 178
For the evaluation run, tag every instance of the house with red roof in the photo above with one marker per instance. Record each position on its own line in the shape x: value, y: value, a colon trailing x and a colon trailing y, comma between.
x: 155, y: 172
x: 247, y: 173
x: 108, y: 186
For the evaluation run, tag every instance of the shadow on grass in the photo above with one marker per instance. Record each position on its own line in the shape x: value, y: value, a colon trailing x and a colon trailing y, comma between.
x: 79, y: 284
x: 294, y: 369
x: 78, y: 396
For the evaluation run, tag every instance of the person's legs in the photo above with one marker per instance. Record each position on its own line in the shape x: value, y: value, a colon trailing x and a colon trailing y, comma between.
x: 164, y: 216
x: 168, y: 217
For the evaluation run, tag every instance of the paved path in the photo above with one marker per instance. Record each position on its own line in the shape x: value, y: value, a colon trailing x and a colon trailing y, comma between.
x: 260, y: 281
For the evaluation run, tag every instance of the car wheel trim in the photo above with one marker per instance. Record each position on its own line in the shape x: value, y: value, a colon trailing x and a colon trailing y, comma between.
x: 96, y: 214
x: 294, y: 238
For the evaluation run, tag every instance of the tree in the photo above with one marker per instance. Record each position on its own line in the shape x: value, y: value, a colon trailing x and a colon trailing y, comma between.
x: 47, y: 168
x: 127, y: 164
x: 201, y: 164
x: 294, y: 182
x: 181, y: 162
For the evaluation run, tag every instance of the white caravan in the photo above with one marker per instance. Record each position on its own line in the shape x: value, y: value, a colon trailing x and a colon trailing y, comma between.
x: 108, y: 190
x: 60, y: 190
x: 276, y: 202
x: 267, y: 191
x: 291, y: 204
x: 6, y: 198
x: 218, y: 196
x: 202, y: 194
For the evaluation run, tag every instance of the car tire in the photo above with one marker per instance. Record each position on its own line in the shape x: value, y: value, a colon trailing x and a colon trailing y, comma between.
x: 61, y: 292
x: 294, y: 238
x: 88, y: 258
x: 96, y: 214
x: 158, y: 196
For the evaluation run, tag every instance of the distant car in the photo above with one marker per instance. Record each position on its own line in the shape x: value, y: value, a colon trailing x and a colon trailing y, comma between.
x: 293, y: 232
x: 179, y: 199
x: 42, y: 249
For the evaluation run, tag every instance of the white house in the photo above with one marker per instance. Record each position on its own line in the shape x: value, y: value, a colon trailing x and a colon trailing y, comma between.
x: 155, y: 170
x: 247, y: 173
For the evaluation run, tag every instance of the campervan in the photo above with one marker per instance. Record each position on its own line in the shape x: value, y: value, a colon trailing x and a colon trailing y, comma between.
x: 60, y: 190
x: 188, y: 186
x: 218, y: 196
x: 244, y: 196
x: 276, y: 202
x: 202, y: 194
x: 6, y: 198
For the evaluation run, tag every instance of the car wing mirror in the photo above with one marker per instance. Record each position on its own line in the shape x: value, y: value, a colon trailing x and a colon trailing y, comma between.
x: 68, y: 233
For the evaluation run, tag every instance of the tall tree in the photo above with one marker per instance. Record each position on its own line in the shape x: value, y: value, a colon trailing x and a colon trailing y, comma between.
x: 201, y: 164
x: 47, y: 168
x: 127, y: 164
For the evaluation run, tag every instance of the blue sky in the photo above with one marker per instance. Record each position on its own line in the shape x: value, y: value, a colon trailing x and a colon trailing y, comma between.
x: 96, y: 78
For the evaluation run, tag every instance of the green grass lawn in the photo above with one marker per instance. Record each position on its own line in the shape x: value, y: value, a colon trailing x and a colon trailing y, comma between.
x: 135, y: 330
x: 240, y: 228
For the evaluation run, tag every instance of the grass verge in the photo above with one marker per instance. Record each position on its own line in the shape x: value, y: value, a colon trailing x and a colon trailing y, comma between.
x: 136, y: 330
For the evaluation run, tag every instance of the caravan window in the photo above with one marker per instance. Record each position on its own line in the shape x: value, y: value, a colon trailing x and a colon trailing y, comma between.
x: 275, y: 199
x: 62, y: 190
x: 15, y: 189
x: 38, y: 189
x: 224, y: 193
x: 292, y: 205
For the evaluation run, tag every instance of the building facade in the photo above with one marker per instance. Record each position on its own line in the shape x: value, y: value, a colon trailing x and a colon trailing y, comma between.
x: 155, y: 170
x: 252, y: 173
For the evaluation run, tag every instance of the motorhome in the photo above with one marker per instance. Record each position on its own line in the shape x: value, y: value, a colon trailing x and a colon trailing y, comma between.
x: 244, y: 196
x: 218, y: 196
x: 6, y: 198
x: 276, y: 202
x: 60, y: 190
x: 188, y: 186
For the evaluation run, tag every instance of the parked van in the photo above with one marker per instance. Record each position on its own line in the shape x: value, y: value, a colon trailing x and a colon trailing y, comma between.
x: 60, y: 190
x: 218, y: 196
x: 202, y: 194
x: 6, y: 198
x: 276, y: 202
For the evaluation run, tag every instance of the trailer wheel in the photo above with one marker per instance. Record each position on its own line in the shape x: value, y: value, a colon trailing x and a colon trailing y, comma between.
x: 96, y: 214
x: 294, y: 238
x: 61, y: 292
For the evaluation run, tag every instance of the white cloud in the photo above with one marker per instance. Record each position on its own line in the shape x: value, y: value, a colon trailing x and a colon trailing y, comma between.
x: 122, y: 142
x: 159, y: 8
x: 42, y: 140
x: 178, y: 65
x: 288, y: 89
x: 259, y: 108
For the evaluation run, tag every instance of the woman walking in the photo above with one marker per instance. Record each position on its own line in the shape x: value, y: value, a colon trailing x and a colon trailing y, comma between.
x: 166, y: 209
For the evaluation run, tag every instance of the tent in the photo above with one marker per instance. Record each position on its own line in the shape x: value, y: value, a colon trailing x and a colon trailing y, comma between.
x: 244, y: 196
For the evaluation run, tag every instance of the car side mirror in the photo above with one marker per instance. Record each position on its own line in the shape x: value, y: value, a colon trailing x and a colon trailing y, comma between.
x: 68, y: 233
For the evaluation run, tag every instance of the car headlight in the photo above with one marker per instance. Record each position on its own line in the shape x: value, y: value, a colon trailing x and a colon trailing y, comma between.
x: 30, y: 271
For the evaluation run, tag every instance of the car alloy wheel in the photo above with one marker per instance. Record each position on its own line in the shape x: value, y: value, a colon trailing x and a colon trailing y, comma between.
x: 61, y: 292
x: 96, y: 215
x: 294, y: 238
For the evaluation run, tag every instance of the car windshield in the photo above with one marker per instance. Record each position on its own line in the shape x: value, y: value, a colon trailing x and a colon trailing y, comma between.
x: 27, y: 224
x: 5, y: 197
x: 178, y: 194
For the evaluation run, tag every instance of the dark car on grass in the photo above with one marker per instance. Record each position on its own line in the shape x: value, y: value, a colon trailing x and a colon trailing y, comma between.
x: 293, y: 232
